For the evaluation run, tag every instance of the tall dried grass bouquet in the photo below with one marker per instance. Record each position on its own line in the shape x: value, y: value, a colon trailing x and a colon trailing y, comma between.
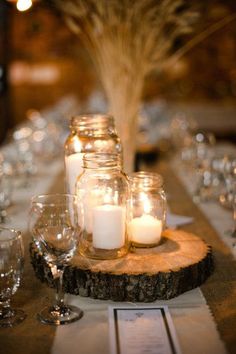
x: 127, y: 39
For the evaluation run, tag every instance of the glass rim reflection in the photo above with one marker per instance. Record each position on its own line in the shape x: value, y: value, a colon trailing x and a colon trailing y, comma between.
x: 145, y: 179
x: 53, y: 199
x: 11, y: 234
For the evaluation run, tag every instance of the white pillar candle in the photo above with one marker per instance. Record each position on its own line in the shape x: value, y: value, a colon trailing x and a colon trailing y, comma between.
x: 108, y: 227
x: 92, y: 199
x: 74, y: 167
x: 145, y: 230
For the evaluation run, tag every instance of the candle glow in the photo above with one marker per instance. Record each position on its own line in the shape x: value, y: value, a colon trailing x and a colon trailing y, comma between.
x: 145, y: 230
x: 108, y: 227
x: 74, y: 167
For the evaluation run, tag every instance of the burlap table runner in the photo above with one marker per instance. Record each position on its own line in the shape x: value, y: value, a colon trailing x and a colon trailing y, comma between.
x: 220, y: 289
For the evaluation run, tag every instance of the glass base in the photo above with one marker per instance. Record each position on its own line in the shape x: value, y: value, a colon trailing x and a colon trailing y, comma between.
x: 13, y: 317
x: 60, y: 316
x: 144, y: 245
x: 86, y: 249
x: 99, y: 253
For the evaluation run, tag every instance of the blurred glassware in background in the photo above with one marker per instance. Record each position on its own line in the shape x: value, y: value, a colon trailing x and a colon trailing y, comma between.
x: 229, y: 174
x: 217, y: 175
x: 182, y: 130
x: 233, y: 233
x: 204, y: 143
x: 25, y: 165
x: 29, y: 147
x: 153, y: 123
x: 61, y: 113
x: 203, y: 152
x: 45, y: 138
x: 6, y: 166
x: 230, y: 179
x: 5, y: 189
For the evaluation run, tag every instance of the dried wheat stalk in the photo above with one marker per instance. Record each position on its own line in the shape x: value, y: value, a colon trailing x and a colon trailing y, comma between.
x: 127, y: 39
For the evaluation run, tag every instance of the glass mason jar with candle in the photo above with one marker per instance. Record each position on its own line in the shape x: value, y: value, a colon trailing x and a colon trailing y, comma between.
x: 104, y: 191
x: 89, y: 133
x: 147, y: 209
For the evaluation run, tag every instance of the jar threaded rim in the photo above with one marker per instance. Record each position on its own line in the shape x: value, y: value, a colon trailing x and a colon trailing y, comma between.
x: 101, y: 160
x: 146, y: 180
x: 96, y: 122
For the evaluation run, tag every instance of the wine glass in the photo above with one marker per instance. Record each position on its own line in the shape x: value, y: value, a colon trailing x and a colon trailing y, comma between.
x: 53, y: 223
x: 202, y: 159
x: 11, y: 266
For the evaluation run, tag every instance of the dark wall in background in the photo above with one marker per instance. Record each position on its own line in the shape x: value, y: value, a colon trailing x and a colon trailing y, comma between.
x: 5, y: 119
x: 46, y: 61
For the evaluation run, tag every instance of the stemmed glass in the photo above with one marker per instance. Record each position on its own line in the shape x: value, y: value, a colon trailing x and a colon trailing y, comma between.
x: 11, y: 267
x: 203, y: 154
x: 53, y: 223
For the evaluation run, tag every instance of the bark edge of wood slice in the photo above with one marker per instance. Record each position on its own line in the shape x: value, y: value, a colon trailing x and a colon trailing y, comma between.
x: 181, y: 262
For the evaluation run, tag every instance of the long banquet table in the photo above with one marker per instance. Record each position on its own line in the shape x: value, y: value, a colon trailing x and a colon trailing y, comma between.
x: 204, y: 318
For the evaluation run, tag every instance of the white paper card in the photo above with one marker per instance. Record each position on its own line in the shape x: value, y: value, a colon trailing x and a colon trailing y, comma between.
x: 142, y: 329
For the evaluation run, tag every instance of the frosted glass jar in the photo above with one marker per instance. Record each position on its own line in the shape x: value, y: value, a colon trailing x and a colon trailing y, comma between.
x: 89, y: 133
x: 104, y: 193
x: 147, y: 209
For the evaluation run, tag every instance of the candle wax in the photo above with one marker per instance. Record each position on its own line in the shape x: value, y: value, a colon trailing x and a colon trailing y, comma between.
x: 108, y: 227
x: 74, y: 167
x: 145, y: 229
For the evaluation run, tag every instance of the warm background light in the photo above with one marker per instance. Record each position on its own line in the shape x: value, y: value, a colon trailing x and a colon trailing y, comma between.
x: 23, y: 5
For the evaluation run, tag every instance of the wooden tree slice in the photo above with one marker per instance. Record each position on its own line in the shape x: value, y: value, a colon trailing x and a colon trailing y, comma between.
x: 181, y: 262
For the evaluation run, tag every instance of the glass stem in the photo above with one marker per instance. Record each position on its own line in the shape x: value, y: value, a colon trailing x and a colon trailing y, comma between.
x: 59, y: 288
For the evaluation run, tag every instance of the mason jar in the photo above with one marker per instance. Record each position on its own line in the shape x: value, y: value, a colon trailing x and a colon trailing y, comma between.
x: 147, y: 209
x: 89, y: 133
x: 103, y: 190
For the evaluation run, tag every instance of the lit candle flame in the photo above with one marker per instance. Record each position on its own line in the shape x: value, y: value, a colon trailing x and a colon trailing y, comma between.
x: 108, y: 198
x: 146, y: 203
x: 77, y: 144
x: 147, y: 206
